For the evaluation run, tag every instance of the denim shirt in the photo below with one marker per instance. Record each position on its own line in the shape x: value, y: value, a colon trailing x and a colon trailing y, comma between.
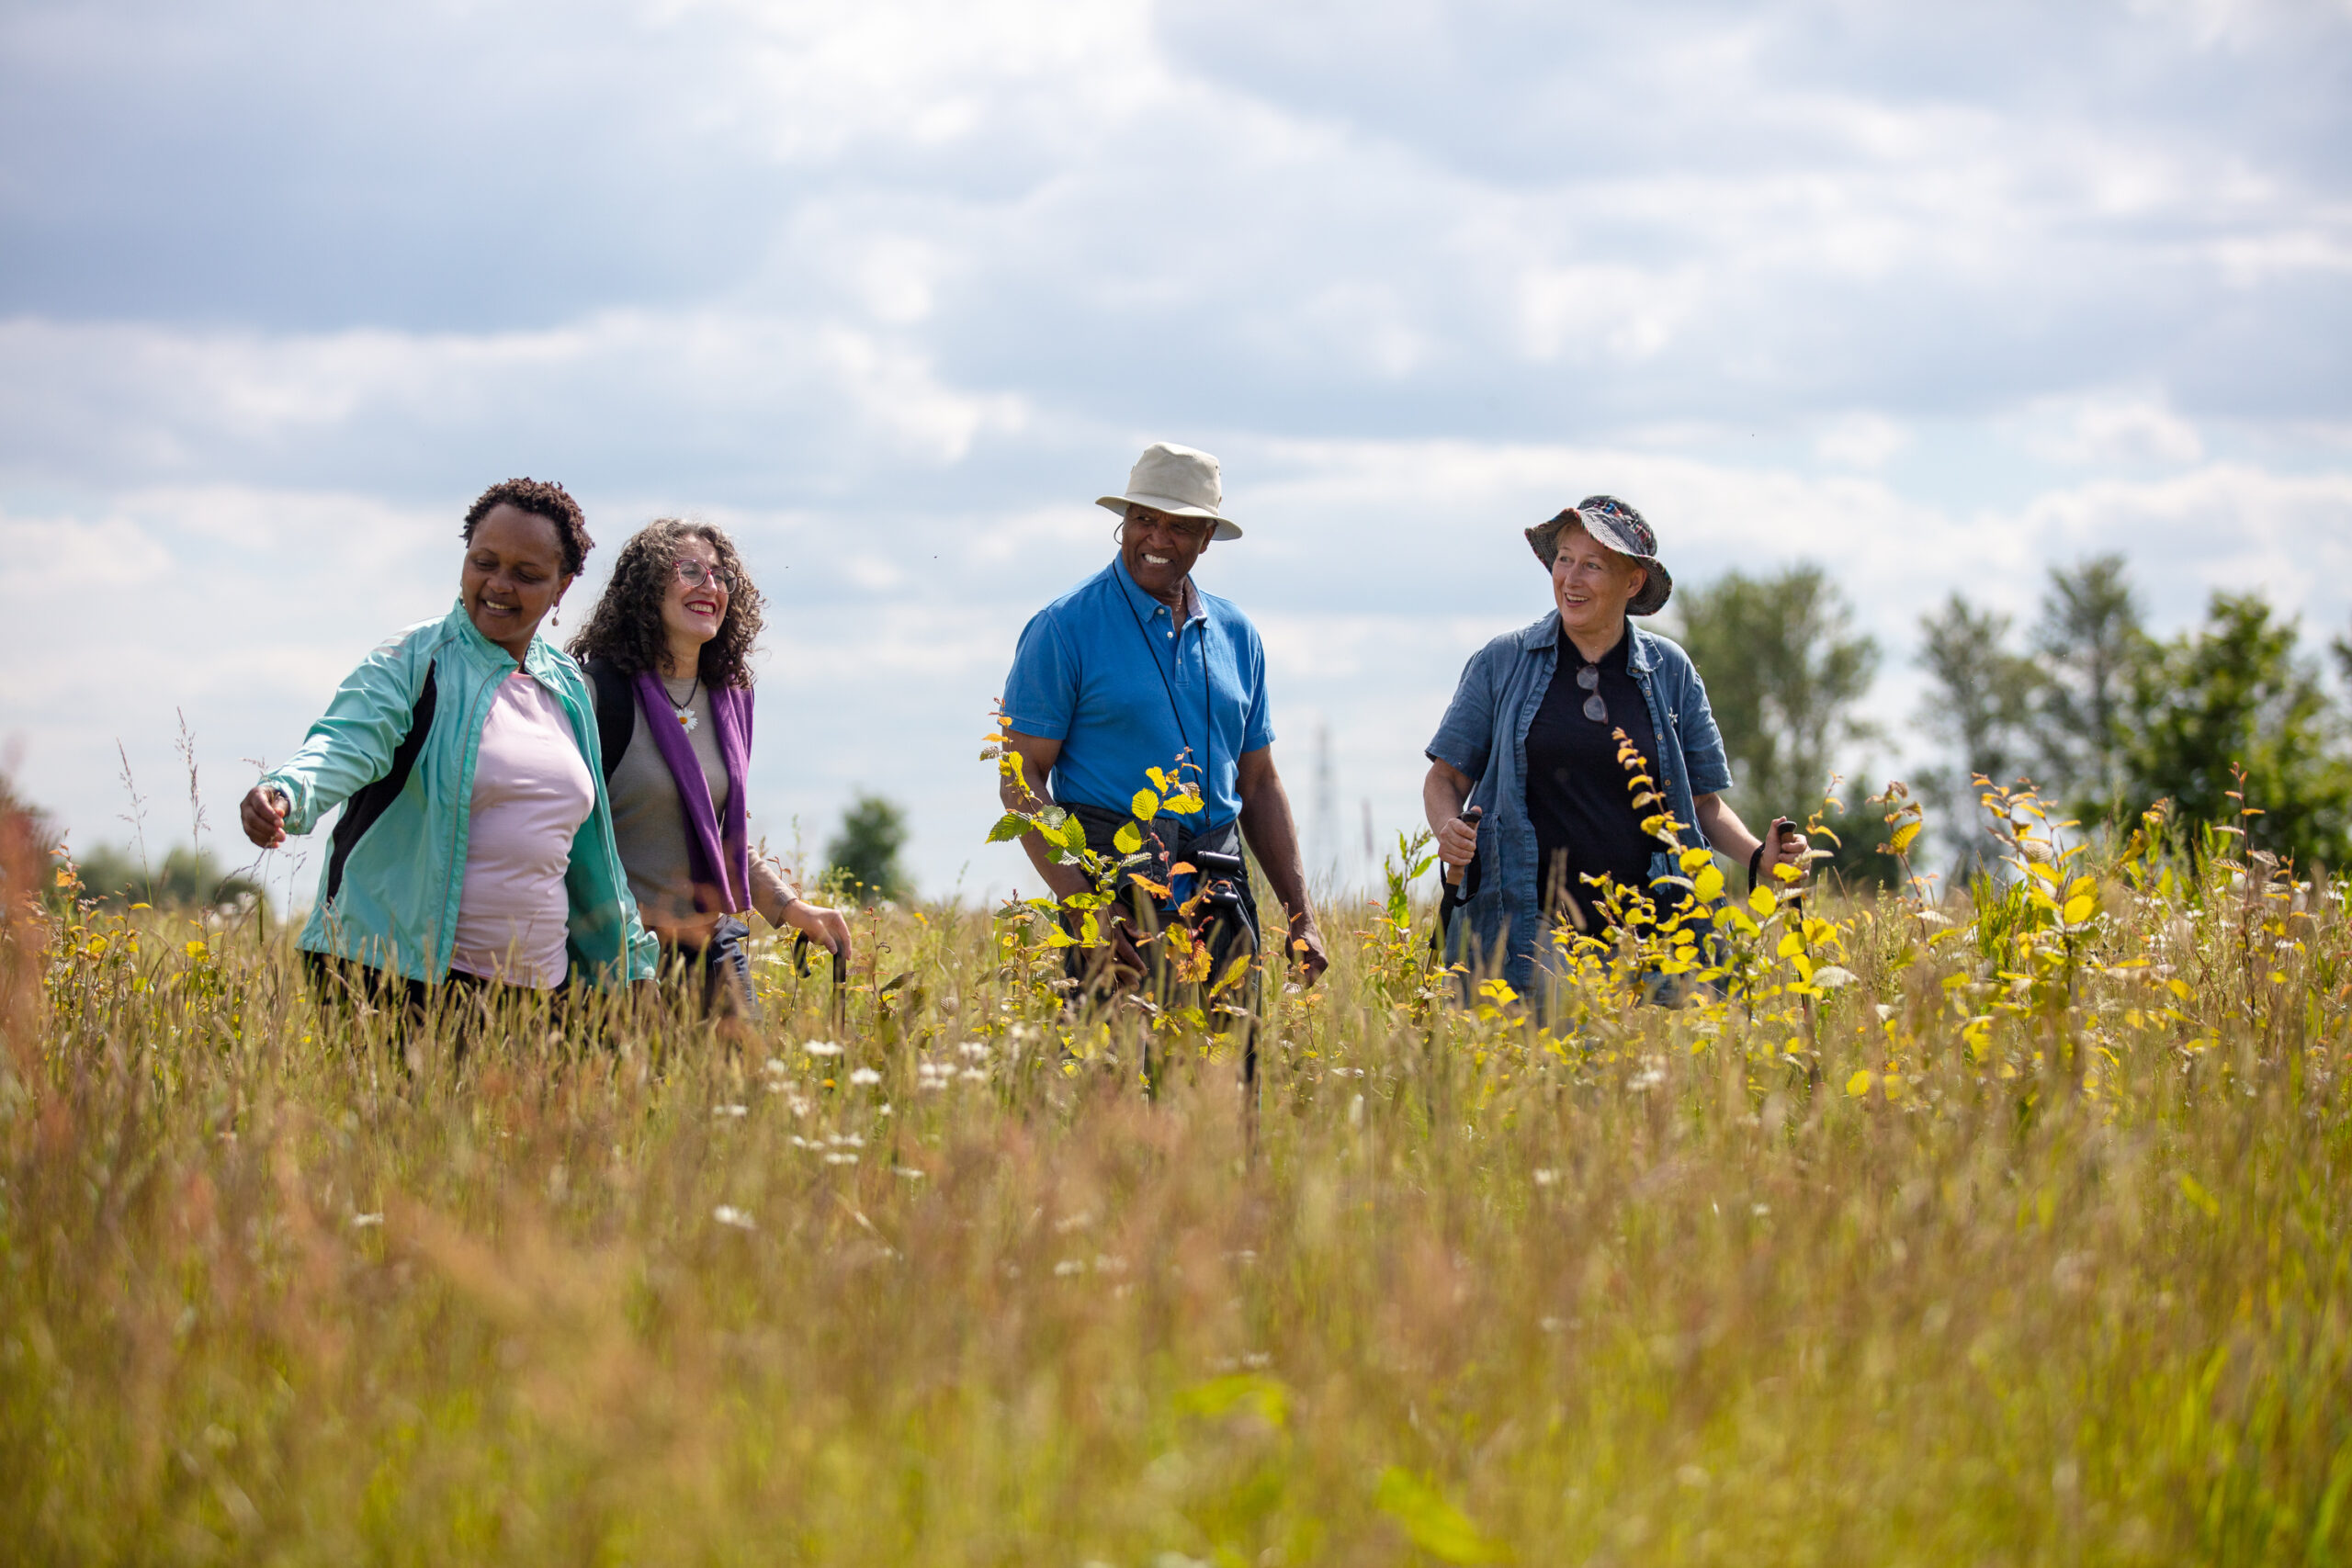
x: 1483, y: 734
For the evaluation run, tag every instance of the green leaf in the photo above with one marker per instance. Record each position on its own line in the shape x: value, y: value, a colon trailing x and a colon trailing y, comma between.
x: 1012, y: 825
x: 1263, y: 1396
x: 1436, y: 1526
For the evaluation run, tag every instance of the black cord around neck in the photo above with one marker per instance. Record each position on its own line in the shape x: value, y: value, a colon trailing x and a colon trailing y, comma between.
x: 1208, y: 687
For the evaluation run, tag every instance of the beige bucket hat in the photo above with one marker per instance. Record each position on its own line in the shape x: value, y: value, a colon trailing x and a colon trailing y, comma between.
x: 1179, y: 480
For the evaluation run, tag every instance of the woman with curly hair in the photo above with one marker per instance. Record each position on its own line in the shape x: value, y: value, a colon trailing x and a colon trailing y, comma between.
x: 668, y: 647
x: 474, y: 856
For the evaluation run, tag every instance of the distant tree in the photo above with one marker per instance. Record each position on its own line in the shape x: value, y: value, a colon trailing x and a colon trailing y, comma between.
x: 2090, y: 642
x: 2234, y: 692
x: 1981, y: 707
x: 1783, y: 670
x: 187, y: 879
x: 864, y: 854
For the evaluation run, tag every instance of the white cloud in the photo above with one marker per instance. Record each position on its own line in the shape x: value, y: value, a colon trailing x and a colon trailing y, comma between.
x: 1862, y: 440
x: 894, y: 289
x: 2111, y: 431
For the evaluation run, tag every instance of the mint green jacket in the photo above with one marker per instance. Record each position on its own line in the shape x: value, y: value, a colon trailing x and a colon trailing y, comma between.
x: 389, y: 893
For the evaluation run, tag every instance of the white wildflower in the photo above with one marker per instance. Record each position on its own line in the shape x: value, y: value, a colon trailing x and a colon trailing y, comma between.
x: 865, y: 1075
x: 821, y: 1048
x: 361, y: 1222
x: 727, y: 1214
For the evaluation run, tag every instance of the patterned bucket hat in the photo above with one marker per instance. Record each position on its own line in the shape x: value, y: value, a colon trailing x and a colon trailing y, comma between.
x: 1621, y: 529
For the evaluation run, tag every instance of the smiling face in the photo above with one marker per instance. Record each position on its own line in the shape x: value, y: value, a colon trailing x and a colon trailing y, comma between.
x: 513, y: 576
x: 1591, y: 584
x: 1160, y: 550
x: 692, y: 613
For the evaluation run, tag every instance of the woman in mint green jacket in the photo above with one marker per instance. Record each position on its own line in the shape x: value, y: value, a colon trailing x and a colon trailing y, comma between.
x: 475, y: 845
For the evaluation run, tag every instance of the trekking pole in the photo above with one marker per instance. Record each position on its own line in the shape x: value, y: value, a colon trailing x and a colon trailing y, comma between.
x: 1778, y: 835
x: 1451, y: 896
x: 838, y: 1012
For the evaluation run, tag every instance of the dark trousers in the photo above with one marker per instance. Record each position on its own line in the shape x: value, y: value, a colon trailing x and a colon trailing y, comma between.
x: 716, y: 974
x: 463, y: 1006
x: 1226, y: 922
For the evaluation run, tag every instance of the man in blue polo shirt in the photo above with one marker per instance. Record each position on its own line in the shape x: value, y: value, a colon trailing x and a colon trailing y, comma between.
x: 1136, y: 668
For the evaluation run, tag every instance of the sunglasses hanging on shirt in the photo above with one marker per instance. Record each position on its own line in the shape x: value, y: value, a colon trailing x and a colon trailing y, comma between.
x: 1594, y: 708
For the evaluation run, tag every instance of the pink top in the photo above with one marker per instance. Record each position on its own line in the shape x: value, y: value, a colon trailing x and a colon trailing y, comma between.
x: 532, y: 790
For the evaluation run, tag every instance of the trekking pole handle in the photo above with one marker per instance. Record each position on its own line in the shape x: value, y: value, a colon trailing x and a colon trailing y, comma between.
x: 1455, y: 874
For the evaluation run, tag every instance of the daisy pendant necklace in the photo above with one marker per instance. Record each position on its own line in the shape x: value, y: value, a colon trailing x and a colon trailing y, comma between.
x: 689, y: 719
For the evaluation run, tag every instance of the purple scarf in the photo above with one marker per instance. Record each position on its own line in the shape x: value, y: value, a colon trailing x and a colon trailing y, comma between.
x: 719, y: 853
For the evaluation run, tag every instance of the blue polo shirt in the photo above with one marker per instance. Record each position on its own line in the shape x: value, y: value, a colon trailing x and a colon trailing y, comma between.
x: 1105, y: 670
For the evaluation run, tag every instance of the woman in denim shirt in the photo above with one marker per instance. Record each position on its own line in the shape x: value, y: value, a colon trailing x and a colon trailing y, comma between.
x: 1540, y: 757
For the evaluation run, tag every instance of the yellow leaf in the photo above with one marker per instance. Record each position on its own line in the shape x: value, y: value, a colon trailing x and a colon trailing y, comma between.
x: 194, y: 948
x: 1901, y: 839
x: 1791, y: 944
x: 1144, y: 806
x: 1159, y: 779
x: 1127, y: 840
x: 1708, y: 885
x: 1692, y: 860
x: 1233, y: 971
x: 1762, y: 901
x: 2080, y: 908
x: 1859, y: 1084
x: 1181, y: 805
x: 2082, y: 887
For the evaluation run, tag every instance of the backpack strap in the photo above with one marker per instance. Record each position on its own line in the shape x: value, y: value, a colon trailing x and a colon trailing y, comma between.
x: 615, y: 712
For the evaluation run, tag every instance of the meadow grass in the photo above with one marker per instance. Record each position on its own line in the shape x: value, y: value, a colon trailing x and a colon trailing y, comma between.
x: 1942, y: 1262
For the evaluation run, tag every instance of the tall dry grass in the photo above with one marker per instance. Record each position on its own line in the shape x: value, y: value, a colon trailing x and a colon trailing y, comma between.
x: 1913, y: 1270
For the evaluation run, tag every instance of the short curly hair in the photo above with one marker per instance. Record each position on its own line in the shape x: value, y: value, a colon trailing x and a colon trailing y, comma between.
x: 626, y: 625
x: 551, y: 502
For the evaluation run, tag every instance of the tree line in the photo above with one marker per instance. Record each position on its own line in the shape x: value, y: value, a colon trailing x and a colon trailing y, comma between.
x: 2103, y: 716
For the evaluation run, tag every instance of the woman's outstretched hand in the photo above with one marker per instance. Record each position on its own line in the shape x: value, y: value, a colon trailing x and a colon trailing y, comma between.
x: 828, y: 929
x: 262, y: 815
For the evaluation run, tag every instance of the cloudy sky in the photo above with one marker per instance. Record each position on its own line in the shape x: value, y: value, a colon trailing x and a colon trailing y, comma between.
x: 1937, y: 296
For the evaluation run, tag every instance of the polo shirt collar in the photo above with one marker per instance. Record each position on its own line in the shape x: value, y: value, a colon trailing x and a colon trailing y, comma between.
x: 1642, y: 653
x: 1195, y: 609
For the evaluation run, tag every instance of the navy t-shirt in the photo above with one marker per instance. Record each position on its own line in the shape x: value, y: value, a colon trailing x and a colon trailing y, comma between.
x: 1578, y: 795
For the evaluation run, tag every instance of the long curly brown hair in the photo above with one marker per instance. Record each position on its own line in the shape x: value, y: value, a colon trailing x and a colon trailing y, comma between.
x: 626, y: 625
